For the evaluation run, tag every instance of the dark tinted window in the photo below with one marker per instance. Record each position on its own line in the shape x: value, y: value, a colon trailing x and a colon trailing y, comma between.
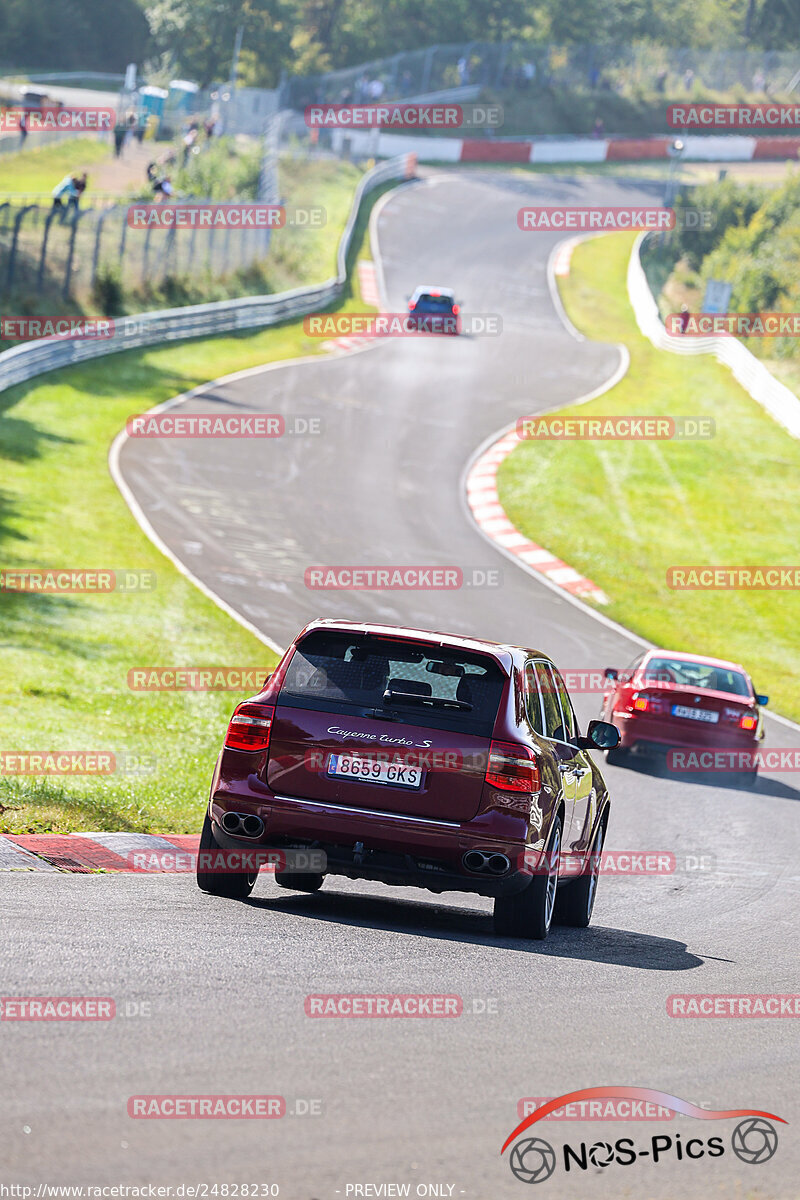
x: 433, y: 304
x: 552, y: 710
x: 533, y: 701
x: 407, y: 681
x: 568, y: 732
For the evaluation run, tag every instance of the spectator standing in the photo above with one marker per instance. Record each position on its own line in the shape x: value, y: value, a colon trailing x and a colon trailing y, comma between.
x: 120, y: 131
x: 79, y: 187
x: 64, y: 191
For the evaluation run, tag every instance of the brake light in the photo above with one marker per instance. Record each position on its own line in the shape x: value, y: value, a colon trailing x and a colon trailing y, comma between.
x: 432, y: 293
x: 249, y: 727
x: 641, y: 703
x: 513, y: 767
x: 411, y: 306
x: 456, y: 310
x: 749, y: 721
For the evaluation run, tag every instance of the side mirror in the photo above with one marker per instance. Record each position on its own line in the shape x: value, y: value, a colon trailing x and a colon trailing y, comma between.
x: 601, y: 735
x: 611, y: 673
x: 762, y: 700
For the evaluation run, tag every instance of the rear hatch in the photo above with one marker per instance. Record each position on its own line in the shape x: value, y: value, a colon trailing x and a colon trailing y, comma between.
x: 387, y: 724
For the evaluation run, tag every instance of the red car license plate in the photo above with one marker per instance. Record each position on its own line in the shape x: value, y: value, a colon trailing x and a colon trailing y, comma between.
x: 696, y: 714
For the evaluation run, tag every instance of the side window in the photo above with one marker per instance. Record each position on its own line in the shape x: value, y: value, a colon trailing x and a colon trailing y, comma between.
x: 552, y: 711
x: 569, y: 726
x: 627, y: 675
x: 533, y: 701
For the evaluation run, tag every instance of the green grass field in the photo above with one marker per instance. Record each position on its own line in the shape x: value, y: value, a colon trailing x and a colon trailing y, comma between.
x: 39, y: 168
x: 64, y: 660
x: 622, y: 512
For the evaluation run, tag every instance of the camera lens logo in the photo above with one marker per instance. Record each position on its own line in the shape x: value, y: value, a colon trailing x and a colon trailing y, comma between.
x: 601, y: 1154
x: 533, y: 1160
x: 754, y: 1140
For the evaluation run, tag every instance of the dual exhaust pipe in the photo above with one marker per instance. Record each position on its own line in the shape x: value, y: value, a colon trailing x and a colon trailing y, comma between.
x: 242, y: 824
x: 481, y: 863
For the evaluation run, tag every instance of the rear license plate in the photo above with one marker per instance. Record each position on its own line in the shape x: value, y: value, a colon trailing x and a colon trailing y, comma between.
x: 350, y: 766
x: 696, y: 714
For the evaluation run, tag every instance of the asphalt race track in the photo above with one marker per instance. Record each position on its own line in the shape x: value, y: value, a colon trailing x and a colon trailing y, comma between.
x: 408, y: 1101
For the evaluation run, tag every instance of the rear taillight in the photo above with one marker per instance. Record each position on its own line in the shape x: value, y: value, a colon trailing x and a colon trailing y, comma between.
x: 749, y: 721
x: 456, y: 310
x: 641, y: 703
x: 513, y: 767
x: 250, y: 726
x: 648, y: 704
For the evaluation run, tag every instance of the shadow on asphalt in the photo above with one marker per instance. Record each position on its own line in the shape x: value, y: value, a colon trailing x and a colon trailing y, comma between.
x: 621, y: 947
x: 656, y: 769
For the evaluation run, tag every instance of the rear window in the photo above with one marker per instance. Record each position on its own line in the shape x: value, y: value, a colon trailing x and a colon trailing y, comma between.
x: 407, y: 682
x: 434, y: 304
x: 696, y: 675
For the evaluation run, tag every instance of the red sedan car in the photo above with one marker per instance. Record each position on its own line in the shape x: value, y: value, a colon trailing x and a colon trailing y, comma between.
x: 420, y: 758
x: 666, y: 702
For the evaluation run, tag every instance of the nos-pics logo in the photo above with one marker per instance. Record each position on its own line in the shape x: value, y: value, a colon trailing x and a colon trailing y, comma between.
x: 533, y: 1160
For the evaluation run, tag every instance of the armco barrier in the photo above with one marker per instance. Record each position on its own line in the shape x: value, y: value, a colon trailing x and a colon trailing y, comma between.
x: 750, y: 372
x: 30, y: 359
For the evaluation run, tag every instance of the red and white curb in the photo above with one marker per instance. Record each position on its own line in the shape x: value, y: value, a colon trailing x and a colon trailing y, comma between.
x: 368, y: 283
x: 492, y: 520
x: 84, y: 853
x: 729, y: 147
x: 562, y: 256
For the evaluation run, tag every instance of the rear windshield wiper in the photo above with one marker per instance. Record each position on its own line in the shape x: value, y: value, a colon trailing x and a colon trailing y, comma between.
x: 391, y: 696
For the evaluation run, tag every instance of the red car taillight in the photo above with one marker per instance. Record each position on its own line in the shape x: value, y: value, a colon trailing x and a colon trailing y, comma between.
x: 513, y: 767
x: 249, y: 727
x: 749, y: 721
x: 641, y: 703
x: 648, y: 704
x: 456, y: 310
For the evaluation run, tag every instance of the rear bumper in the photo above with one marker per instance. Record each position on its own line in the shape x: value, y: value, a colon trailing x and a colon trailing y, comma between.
x: 654, y: 736
x: 386, y: 847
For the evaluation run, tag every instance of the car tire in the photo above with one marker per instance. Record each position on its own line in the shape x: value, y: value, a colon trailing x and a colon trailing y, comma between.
x: 299, y: 881
x: 529, y: 914
x: 235, y: 886
x: 575, y: 900
x: 617, y: 756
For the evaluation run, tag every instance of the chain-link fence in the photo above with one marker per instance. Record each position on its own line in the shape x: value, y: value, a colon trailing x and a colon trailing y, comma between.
x: 73, y: 254
x: 30, y: 359
x: 523, y: 64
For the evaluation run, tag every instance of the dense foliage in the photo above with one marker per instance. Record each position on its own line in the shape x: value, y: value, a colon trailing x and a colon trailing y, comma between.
x: 195, y: 38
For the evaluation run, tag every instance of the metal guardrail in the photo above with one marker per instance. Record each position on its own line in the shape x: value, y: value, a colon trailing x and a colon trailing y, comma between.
x: 755, y: 378
x: 30, y: 359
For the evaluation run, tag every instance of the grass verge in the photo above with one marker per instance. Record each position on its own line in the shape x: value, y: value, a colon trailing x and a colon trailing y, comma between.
x: 64, y: 660
x: 623, y: 512
x: 38, y: 169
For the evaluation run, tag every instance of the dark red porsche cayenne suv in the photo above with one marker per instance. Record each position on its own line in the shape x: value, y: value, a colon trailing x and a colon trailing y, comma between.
x: 421, y: 758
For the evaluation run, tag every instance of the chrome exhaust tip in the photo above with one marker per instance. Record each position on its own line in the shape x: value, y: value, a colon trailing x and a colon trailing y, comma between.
x: 475, y: 860
x: 242, y: 824
x: 498, y: 864
x: 252, y: 826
